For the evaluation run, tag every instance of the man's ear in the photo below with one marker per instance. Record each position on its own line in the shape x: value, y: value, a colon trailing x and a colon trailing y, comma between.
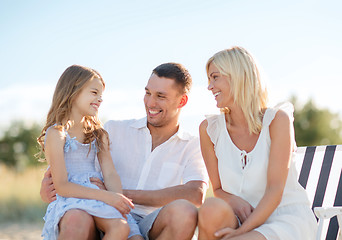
x: 183, y: 101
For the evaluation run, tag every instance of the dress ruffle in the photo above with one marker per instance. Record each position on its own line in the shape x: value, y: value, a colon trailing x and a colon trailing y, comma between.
x: 287, y: 107
x: 213, y: 126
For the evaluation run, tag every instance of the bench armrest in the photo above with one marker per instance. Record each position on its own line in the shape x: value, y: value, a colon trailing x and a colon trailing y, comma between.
x: 327, y: 213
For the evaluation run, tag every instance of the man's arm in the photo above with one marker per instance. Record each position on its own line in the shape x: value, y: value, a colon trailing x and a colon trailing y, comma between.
x: 193, y: 191
x: 47, y: 189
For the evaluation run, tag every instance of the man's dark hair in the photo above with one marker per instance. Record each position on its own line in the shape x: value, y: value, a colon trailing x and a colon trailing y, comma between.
x: 176, y: 72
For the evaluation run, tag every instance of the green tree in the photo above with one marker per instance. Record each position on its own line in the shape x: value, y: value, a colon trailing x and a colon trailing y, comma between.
x: 18, y: 145
x: 314, y: 126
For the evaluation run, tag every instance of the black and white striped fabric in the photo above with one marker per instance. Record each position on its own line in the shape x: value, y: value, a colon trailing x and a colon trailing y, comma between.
x: 319, y: 171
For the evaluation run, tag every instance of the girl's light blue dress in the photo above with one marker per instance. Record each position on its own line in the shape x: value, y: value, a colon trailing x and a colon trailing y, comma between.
x: 80, y: 165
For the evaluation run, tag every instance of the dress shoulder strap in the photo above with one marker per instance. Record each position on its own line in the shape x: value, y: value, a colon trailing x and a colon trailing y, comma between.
x: 270, y: 113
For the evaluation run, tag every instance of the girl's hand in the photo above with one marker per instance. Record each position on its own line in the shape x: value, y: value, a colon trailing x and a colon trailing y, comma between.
x: 97, y: 182
x: 241, y: 207
x: 120, y: 202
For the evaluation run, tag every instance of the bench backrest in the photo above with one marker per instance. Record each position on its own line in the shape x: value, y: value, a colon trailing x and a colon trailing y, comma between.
x: 319, y: 170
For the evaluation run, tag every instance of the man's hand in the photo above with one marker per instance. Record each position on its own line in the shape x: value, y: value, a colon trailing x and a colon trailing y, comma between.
x: 47, y: 189
x: 98, y: 182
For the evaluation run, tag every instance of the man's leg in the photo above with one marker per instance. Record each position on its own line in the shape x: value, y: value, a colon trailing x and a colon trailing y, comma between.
x: 177, y: 220
x: 77, y: 224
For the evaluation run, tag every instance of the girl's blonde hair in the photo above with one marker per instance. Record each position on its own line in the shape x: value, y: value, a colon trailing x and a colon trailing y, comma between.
x: 67, y: 89
x: 246, y: 86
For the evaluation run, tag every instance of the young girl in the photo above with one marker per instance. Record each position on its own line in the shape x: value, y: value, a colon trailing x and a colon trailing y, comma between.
x: 71, y: 139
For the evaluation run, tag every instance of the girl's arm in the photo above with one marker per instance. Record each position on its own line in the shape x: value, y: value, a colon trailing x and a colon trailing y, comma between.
x: 111, y: 178
x: 54, y: 153
x: 240, y: 207
x: 281, y: 130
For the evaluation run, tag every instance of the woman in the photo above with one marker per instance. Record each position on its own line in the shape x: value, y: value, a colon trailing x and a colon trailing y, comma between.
x: 248, y: 151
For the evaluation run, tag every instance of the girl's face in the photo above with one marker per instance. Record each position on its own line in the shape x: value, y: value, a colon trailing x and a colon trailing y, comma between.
x: 89, y: 99
x: 220, y: 87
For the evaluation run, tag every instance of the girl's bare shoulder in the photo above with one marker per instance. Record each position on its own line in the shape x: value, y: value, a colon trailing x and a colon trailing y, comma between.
x: 55, y: 135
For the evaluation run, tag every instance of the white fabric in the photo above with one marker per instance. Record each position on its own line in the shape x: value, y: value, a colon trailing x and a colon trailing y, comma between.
x: 176, y: 161
x: 245, y: 174
x: 294, y: 221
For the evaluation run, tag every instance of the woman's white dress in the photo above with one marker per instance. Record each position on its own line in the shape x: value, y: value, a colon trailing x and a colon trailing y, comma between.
x: 245, y: 175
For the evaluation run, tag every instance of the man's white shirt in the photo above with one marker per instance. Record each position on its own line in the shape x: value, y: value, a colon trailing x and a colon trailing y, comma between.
x: 176, y: 161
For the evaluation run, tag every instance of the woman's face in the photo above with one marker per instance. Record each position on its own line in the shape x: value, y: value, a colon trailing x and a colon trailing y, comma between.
x: 220, y: 87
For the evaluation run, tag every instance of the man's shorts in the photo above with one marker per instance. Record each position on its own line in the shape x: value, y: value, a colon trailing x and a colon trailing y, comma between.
x: 145, y: 223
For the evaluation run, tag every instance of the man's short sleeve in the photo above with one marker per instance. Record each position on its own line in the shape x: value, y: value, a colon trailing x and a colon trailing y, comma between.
x: 195, y: 169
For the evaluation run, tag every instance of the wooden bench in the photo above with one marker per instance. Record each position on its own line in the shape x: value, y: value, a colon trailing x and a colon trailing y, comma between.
x: 319, y: 171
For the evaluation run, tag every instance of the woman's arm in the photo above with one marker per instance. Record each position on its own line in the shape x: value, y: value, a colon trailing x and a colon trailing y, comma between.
x: 278, y: 167
x: 55, y: 156
x: 240, y: 207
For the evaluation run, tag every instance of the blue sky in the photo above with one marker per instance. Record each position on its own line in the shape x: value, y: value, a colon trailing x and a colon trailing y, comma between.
x: 297, y: 43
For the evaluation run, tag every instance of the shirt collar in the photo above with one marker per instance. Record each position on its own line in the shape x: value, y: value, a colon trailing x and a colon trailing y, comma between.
x: 142, y: 123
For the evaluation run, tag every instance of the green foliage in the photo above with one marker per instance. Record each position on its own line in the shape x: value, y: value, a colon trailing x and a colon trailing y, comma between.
x: 315, y: 126
x: 18, y: 145
x: 14, y: 210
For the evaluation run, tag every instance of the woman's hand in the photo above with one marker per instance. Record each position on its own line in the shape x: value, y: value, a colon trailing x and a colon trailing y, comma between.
x: 241, y: 207
x: 227, y: 233
x: 47, y: 189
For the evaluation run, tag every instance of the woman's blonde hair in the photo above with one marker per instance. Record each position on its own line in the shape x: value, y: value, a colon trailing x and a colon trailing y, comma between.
x: 246, y: 86
x: 67, y: 89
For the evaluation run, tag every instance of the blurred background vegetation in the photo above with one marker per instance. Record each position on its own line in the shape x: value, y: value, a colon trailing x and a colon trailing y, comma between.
x: 315, y: 126
x: 21, y: 172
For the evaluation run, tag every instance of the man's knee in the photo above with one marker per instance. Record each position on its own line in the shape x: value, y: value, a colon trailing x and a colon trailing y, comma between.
x: 77, y: 224
x: 182, y: 214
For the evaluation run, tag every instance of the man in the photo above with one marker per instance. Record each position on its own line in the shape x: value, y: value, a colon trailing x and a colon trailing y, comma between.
x: 160, y: 166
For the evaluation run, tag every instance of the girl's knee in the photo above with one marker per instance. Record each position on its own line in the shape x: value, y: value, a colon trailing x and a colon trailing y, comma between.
x: 115, y: 227
x: 123, y: 227
x: 77, y: 224
x: 77, y: 218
